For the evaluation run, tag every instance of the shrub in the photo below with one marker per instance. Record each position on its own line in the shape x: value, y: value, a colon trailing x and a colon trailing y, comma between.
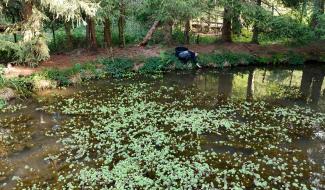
x: 3, y: 103
x: 41, y: 81
x: 118, y: 68
x: 320, y: 30
x: 21, y: 85
x: 287, y: 27
x: 30, y: 53
x: 2, y: 79
x: 8, y: 51
x: 263, y: 60
x: 226, y: 59
x: 152, y: 65
x: 295, y: 59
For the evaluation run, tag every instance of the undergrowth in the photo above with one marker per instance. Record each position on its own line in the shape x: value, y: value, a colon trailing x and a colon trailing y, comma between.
x: 124, y: 67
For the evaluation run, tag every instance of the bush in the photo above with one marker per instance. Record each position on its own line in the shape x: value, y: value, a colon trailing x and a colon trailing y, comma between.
x: 8, y: 51
x: 320, y: 30
x: 30, y: 53
x: 295, y: 59
x: 227, y: 59
x: 118, y: 68
x: 287, y: 27
x: 61, y: 77
x: 3, y: 103
x: 288, y: 58
x: 21, y: 85
x: 152, y: 65
x: 87, y: 71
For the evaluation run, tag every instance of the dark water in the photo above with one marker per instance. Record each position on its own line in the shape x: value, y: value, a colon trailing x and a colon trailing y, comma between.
x: 303, y: 86
x: 29, y: 145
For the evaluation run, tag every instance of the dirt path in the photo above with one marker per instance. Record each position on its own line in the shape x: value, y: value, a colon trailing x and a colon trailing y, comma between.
x: 67, y: 60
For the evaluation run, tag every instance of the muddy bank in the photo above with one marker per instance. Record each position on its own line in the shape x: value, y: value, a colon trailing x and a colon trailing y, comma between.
x: 314, y: 52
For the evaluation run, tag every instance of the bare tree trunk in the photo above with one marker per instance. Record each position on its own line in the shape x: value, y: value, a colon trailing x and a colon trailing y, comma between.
x: 107, y: 33
x: 92, y: 42
x: 121, y: 23
x: 14, y: 34
x: 168, y: 31
x: 256, y: 29
x: 187, y: 31
x: 67, y: 27
x: 149, y: 34
x: 226, y: 28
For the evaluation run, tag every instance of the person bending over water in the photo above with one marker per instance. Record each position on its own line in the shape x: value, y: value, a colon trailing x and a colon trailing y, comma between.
x: 185, y: 55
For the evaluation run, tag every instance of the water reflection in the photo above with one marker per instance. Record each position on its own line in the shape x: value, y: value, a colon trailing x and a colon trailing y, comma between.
x: 225, y: 83
x: 250, y: 85
x: 302, y: 86
x: 311, y: 83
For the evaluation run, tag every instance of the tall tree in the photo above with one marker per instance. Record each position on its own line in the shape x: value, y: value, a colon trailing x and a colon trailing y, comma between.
x: 255, y: 27
x: 107, y: 13
x: 318, y: 9
x: 91, y: 33
x: 226, y: 27
x: 68, y: 27
x: 34, y: 13
x: 187, y: 31
x: 108, y: 33
x: 122, y: 23
x: 167, y: 12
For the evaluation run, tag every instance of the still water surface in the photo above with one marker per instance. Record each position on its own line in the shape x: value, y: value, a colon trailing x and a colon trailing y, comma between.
x: 24, y: 144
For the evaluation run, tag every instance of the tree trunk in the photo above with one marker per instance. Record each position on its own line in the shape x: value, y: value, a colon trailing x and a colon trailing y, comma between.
x: 318, y: 9
x: 121, y: 23
x: 27, y: 13
x: 108, y: 33
x: 187, y: 31
x: 149, y: 34
x: 255, y: 27
x: 92, y: 42
x: 13, y: 22
x: 209, y: 22
x: 67, y: 27
x: 53, y: 33
x: 168, y: 31
x: 226, y: 28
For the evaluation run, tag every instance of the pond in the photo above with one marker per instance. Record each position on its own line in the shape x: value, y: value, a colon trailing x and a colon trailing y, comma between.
x: 242, y: 128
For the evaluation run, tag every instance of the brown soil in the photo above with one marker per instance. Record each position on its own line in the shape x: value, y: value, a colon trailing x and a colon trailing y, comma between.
x: 66, y: 60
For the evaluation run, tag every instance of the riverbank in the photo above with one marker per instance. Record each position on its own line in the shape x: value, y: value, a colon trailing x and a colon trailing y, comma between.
x: 313, y: 51
x: 65, y: 70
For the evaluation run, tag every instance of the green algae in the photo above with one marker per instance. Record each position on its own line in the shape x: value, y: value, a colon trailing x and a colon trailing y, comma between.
x: 139, y: 136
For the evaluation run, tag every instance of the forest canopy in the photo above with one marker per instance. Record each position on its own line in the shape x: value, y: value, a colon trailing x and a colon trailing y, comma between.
x: 30, y: 29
